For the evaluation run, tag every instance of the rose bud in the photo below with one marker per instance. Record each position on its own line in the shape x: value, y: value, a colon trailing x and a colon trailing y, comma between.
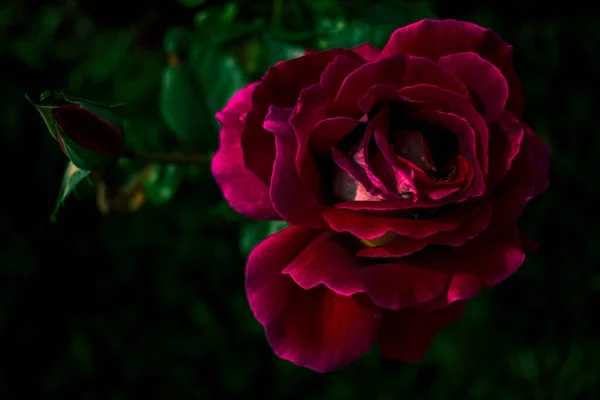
x: 89, y: 133
x: 402, y: 173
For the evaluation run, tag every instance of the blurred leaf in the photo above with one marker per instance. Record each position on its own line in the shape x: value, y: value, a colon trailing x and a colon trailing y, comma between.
x: 374, y: 26
x: 177, y: 40
x: 191, y: 3
x: 72, y: 177
x: 218, y: 25
x: 254, y: 232
x: 144, y: 133
x: 183, y: 106
x: 325, y: 7
x: 220, y: 74
x: 163, y: 183
x: 105, y: 56
x: 276, y: 50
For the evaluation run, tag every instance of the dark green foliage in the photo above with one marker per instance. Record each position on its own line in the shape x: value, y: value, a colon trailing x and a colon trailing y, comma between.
x: 152, y: 304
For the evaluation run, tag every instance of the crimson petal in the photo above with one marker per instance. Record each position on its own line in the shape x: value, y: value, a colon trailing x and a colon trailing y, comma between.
x: 290, y: 198
x: 328, y: 260
x: 437, y: 38
x: 316, y: 328
x: 482, y: 78
x: 293, y: 75
x: 398, y: 71
x: 244, y: 192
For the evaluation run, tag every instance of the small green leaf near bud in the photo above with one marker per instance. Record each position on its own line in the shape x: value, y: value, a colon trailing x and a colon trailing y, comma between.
x: 72, y: 177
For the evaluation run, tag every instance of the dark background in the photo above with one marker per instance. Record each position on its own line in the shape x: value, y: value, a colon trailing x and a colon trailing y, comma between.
x: 151, y: 304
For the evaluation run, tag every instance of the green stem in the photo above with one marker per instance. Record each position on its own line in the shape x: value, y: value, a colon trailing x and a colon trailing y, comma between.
x: 168, y: 158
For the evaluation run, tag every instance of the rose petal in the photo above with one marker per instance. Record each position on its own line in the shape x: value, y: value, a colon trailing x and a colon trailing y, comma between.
x: 506, y: 136
x: 446, y: 101
x: 401, y: 247
x: 467, y: 142
x: 483, y: 78
x: 309, y: 111
x: 88, y: 130
x: 406, y: 334
x: 367, y: 51
x: 328, y: 132
x: 292, y: 201
x: 351, y: 180
x: 293, y: 75
x: 316, y: 328
x: 335, y: 73
x: 398, y: 71
x: 369, y: 227
x: 434, y: 39
x: 244, y: 192
x: 473, y: 267
x: 328, y: 260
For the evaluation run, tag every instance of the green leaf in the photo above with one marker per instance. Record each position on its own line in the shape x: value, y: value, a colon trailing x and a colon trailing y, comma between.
x: 374, y: 26
x: 183, y: 107
x: 164, y: 182
x: 191, y: 3
x: 276, y: 50
x: 219, y: 73
x: 144, y: 133
x: 254, y: 232
x: 72, y: 177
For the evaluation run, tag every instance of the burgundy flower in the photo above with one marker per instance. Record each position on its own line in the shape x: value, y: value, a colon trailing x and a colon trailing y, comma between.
x: 89, y: 133
x: 402, y: 172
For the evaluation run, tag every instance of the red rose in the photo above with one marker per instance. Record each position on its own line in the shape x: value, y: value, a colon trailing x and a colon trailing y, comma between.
x: 89, y: 133
x: 402, y: 172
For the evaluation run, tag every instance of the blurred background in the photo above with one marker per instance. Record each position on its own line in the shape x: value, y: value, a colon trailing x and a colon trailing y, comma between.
x: 150, y: 303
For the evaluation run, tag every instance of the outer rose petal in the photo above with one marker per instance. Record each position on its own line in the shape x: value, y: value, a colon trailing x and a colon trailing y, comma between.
x: 435, y: 39
x: 315, y: 328
x: 330, y: 261
x: 483, y: 78
x: 367, y: 51
x: 293, y: 75
x: 398, y: 71
x: 244, y: 192
x: 290, y: 197
x: 406, y: 334
x: 88, y: 129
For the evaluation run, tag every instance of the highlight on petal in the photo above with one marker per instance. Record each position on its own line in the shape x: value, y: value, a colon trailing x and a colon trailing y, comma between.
x: 329, y: 261
x: 433, y: 39
x: 244, y: 192
x: 369, y: 227
x: 406, y: 334
x: 316, y: 328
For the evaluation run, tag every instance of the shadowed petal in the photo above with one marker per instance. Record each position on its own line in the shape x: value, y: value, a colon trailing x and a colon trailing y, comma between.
x: 315, y: 328
x: 437, y: 38
x: 484, y: 79
x: 329, y: 260
x: 293, y: 75
x: 398, y: 71
x: 293, y: 202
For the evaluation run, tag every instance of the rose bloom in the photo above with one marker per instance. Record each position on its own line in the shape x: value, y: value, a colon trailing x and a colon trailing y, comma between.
x: 402, y: 174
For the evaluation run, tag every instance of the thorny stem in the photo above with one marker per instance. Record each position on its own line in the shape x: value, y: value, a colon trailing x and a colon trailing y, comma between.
x: 168, y: 158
